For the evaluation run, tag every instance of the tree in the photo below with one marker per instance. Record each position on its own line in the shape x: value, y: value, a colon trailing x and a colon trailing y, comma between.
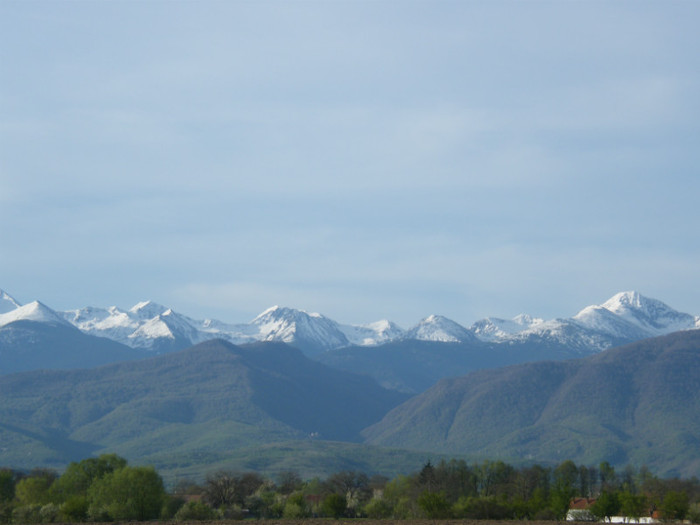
x: 564, y: 485
x: 34, y: 490
x: 78, y: 477
x: 608, y: 477
x: 354, y: 486
x: 129, y: 493
x: 675, y: 505
x: 434, y: 505
x: 74, y: 508
x: 296, y: 507
x: 378, y: 509
x: 633, y: 505
x: 494, y: 477
x: 606, y: 506
x: 288, y: 481
x: 426, y: 477
x: 220, y: 489
x: 7, y: 485
x: 334, y: 505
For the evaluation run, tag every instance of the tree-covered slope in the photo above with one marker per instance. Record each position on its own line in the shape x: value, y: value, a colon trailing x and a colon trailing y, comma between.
x: 413, y: 366
x: 212, y: 397
x: 634, y: 404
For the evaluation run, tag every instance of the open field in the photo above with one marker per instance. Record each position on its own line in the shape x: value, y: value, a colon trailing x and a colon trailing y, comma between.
x: 360, y: 521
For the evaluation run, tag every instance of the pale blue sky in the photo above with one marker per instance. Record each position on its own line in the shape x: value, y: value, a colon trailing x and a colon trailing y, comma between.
x: 363, y: 159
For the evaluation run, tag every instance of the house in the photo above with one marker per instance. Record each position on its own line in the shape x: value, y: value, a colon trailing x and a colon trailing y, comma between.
x: 579, y: 510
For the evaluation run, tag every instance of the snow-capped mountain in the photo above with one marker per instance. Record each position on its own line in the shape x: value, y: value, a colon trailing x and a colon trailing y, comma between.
x: 650, y: 316
x: 151, y: 326
x: 440, y: 329
x: 495, y: 329
x: 625, y: 317
x: 310, y: 330
x: 34, y: 311
x: 372, y: 334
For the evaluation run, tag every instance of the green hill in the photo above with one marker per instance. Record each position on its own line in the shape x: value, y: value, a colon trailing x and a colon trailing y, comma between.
x: 203, y: 402
x: 634, y: 404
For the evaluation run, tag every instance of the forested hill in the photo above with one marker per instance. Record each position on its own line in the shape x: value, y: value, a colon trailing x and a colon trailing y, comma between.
x: 212, y: 397
x: 634, y: 404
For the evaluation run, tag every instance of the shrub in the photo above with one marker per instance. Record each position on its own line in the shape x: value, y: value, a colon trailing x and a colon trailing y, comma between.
x: 378, y: 509
x: 195, y: 511
x: 170, y: 507
x: 27, y: 514
x: 694, y: 513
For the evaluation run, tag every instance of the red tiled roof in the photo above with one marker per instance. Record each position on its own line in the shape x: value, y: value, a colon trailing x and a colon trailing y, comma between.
x: 581, y: 503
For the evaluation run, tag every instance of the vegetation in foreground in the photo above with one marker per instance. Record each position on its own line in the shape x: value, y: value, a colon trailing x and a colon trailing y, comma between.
x: 106, y: 489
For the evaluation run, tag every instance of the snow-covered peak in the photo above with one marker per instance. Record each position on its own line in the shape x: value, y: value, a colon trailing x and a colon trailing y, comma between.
x: 439, y: 328
x: 494, y: 328
x: 7, y: 302
x: 34, y: 311
x: 147, y: 309
x: 372, y: 334
x: 625, y: 300
x: 152, y: 329
x: 289, y: 325
x: 649, y: 316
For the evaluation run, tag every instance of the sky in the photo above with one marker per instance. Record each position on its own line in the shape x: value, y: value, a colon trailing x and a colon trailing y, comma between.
x: 363, y: 159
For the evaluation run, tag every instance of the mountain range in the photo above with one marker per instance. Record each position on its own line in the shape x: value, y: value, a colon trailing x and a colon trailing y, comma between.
x: 626, y: 317
x: 268, y: 407
x: 206, y: 400
x: 635, y: 404
x: 34, y: 336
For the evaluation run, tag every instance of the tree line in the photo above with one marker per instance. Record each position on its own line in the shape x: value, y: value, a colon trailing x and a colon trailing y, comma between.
x: 106, y: 488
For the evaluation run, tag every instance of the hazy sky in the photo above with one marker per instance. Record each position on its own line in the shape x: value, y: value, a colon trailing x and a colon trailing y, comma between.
x: 366, y: 160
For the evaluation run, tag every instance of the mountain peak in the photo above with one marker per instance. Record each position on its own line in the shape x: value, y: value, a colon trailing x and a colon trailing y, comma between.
x: 650, y: 317
x: 439, y: 328
x: 34, y: 311
x: 147, y: 309
x: 624, y: 300
x: 277, y: 312
x: 292, y: 326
